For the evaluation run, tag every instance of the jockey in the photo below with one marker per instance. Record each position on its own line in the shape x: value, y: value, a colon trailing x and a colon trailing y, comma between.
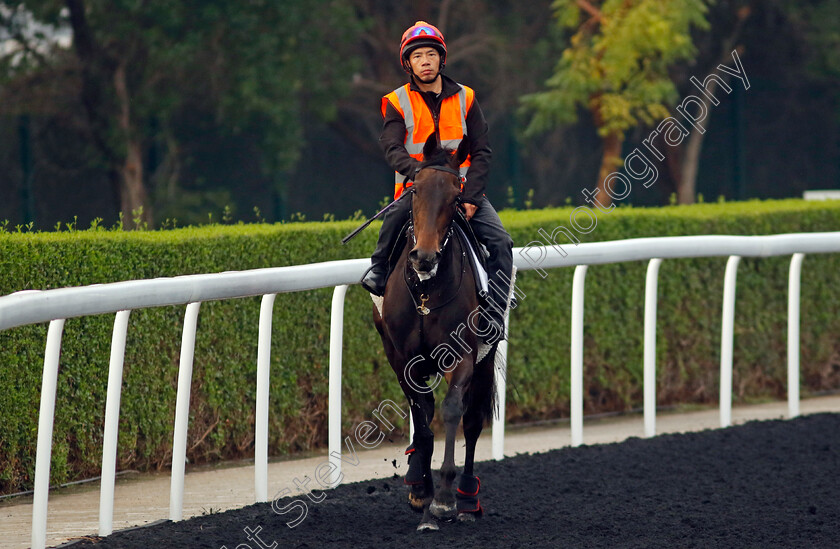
x: 432, y: 102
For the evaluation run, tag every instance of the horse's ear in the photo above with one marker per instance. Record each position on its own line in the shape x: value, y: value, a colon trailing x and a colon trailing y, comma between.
x: 431, y: 146
x: 463, y: 151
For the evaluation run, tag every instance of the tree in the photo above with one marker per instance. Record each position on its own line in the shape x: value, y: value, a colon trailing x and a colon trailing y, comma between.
x: 727, y: 20
x: 136, y: 67
x: 616, y: 67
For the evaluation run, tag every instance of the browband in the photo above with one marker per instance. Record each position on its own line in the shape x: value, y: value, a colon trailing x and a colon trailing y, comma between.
x: 448, y: 170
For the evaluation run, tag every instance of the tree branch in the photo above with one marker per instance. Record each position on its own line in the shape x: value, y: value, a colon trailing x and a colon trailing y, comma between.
x: 594, y: 12
x: 443, y: 15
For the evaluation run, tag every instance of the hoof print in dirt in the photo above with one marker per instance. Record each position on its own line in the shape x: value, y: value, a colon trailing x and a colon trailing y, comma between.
x: 468, y: 518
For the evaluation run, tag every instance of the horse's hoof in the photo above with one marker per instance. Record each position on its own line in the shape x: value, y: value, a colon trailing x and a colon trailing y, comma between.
x: 428, y: 526
x: 466, y: 517
x: 415, y: 502
x: 443, y: 510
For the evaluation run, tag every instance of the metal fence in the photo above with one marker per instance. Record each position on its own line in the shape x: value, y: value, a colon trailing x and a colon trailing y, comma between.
x: 54, y: 306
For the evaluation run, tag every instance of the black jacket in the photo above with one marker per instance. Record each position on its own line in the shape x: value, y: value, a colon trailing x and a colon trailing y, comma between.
x: 392, y: 140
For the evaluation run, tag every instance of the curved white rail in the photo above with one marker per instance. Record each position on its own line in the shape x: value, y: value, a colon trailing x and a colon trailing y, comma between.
x: 34, y: 306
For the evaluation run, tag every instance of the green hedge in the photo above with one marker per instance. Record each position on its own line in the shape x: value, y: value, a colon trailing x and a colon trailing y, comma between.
x: 223, y: 391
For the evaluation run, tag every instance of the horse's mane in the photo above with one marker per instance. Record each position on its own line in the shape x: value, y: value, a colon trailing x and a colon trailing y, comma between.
x: 440, y: 157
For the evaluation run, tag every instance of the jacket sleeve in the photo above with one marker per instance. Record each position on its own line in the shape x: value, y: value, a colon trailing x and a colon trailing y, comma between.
x: 392, y: 142
x: 480, y: 154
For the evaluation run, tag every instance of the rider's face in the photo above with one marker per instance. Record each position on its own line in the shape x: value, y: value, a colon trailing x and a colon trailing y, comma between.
x: 425, y: 64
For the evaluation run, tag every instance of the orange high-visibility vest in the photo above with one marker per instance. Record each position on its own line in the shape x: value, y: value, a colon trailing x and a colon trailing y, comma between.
x: 419, y: 123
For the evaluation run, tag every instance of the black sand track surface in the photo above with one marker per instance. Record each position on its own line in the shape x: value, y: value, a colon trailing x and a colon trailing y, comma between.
x: 763, y: 484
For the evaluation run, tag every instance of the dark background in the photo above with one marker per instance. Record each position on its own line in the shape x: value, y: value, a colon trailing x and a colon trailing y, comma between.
x: 777, y: 139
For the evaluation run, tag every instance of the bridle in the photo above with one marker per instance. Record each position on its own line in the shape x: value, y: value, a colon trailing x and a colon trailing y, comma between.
x: 451, y: 229
x: 421, y: 308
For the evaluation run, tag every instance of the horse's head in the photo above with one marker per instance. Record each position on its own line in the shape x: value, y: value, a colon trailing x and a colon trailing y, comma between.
x: 437, y: 193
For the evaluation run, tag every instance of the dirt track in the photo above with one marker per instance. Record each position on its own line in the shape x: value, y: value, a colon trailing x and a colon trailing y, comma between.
x: 763, y: 484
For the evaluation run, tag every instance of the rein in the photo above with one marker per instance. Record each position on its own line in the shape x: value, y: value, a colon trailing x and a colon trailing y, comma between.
x: 421, y: 308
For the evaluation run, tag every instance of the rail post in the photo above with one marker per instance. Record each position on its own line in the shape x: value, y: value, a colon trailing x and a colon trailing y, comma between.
x: 651, y: 286
x: 794, y: 283
x: 182, y: 413
x: 726, y: 336
x: 263, y: 383
x: 500, y: 373
x: 112, y: 423
x: 576, y: 412
x: 46, y: 417
x: 336, y: 344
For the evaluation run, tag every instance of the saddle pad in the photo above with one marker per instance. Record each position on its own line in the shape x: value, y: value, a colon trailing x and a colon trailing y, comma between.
x: 478, y: 268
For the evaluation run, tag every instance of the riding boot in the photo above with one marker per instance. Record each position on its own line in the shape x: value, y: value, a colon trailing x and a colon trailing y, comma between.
x: 376, y: 276
x: 496, y: 299
x: 489, y: 230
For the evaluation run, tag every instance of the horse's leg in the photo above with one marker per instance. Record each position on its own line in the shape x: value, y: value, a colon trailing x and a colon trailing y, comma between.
x: 467, y: 497
x: 479, y: 408
x: 453, y: 408
x: 419, y: 474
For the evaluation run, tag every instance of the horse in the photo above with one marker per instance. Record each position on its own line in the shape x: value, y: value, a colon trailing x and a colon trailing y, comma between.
x: 432, y: 323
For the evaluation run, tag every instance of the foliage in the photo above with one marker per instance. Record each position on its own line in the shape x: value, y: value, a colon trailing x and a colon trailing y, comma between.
x: 222, y: 411
x: 616, y: 64
x: 146, y: 73
x: 816, y: 22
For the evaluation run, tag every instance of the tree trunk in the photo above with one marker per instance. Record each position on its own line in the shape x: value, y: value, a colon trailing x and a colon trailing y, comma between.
x: 610, y: 160
x: 687, y: 187
x: 125, y: 161
x: 134, y: 200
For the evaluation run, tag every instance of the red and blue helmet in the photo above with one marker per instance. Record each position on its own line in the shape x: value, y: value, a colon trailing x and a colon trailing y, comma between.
x: 421, y: 35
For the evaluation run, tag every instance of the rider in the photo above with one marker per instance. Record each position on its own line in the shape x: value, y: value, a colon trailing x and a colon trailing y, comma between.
x: 433, y: 102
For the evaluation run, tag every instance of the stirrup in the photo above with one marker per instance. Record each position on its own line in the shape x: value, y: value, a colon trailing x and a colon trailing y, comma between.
x: 374, y: 280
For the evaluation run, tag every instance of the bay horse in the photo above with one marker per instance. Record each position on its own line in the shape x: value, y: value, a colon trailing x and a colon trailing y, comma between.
x: 431, y: 324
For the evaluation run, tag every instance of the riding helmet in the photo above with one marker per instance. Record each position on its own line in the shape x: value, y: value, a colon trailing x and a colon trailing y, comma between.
x: 421, y: 35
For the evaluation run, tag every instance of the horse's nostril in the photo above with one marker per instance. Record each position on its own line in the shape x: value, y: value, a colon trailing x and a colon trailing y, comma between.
x: 412, y: 255
x: 437, y: 257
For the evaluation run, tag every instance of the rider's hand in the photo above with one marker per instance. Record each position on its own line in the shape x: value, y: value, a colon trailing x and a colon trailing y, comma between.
x: 469, y: 209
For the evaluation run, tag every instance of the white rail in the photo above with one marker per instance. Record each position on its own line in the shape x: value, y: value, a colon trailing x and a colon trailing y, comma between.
x: 33, y: 306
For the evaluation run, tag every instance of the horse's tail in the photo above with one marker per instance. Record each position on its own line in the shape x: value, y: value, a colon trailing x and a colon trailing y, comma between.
x: 483, y: 391
x: 496, y: 362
